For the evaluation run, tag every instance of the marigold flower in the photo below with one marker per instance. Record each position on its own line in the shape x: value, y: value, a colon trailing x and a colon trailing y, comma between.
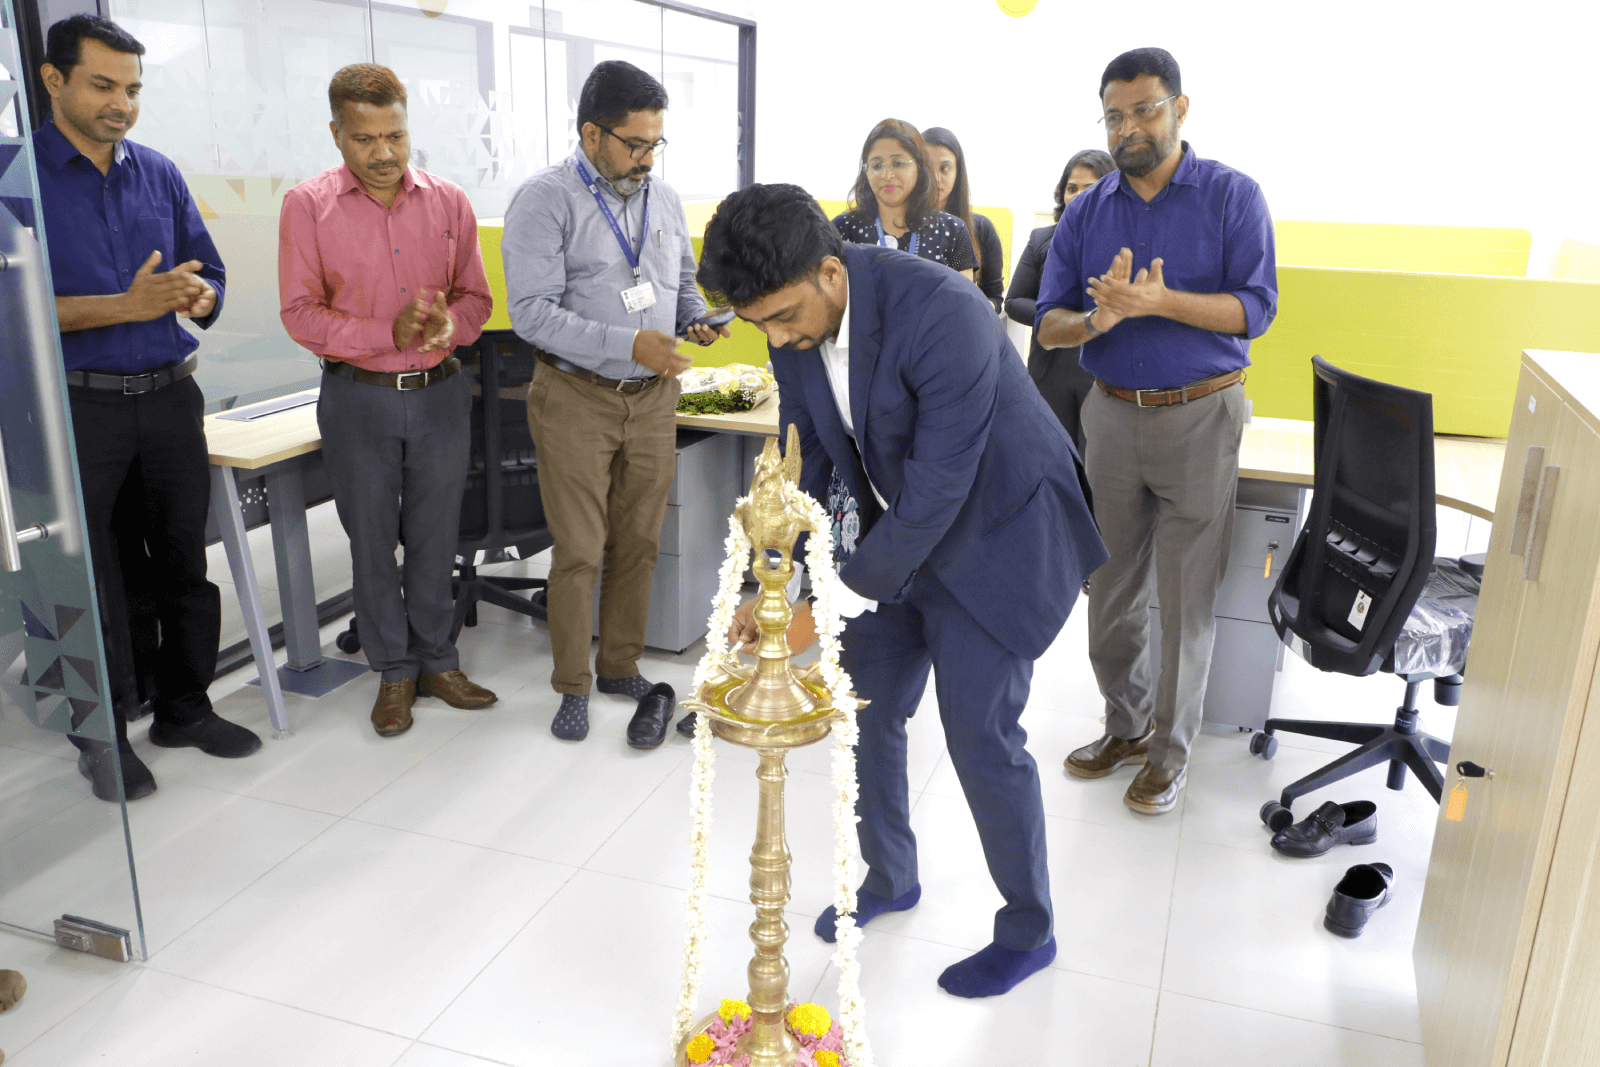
x: 700, y: 1048
x: 810, y: 1019
x: 825, y: 1058
x: 732, y: 1009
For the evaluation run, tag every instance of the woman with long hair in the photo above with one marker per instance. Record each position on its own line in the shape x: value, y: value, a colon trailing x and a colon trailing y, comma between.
x: 953, y: 197
x: 893, y: 202
x: 1061, y: 381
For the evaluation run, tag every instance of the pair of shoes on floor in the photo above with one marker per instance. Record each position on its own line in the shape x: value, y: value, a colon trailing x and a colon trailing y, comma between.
x: 989, y: 972
x: 210, y: 733
x: 1331, y: 825
x: 12, y: 986
x: 391, y: 711
x: 1154, y: 790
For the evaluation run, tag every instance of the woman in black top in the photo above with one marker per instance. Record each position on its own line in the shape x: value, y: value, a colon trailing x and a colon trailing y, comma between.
x: 892, y: 203
x: 1061, y: 380
x: 953, y: 197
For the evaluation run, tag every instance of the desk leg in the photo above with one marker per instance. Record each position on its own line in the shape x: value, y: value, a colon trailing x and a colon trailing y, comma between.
x: 230, y: 521
x: 297, y: 590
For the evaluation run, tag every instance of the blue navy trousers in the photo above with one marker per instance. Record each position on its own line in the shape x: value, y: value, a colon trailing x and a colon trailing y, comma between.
x: 982, y: 688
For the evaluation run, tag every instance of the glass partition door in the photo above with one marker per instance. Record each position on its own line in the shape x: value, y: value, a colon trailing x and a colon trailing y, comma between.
x: 62, y: 852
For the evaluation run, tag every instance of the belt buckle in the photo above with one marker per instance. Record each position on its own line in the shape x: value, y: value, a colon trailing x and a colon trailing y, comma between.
x: 126, y: 378
x: 621, y: 382
x: 400, y: 379
x: 1138, y: 397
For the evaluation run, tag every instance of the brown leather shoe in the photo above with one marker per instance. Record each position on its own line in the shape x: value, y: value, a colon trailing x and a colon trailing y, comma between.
x: 1155, y: 791
x: 1107, y: 754
x: 455, y: 689
x: 391, y: 713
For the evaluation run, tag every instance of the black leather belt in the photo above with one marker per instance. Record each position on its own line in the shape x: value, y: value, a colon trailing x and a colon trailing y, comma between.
x: 405, y: 381
x: 133, y: 384
x: 621, y: 385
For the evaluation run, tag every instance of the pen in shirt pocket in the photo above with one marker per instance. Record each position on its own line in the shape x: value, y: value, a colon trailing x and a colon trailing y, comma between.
x: 450, y: 264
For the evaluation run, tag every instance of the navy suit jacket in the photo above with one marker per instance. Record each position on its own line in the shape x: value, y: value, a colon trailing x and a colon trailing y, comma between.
x: 983, y: 485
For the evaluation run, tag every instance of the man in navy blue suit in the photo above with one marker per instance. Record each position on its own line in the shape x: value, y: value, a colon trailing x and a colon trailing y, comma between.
x: 961, y: 525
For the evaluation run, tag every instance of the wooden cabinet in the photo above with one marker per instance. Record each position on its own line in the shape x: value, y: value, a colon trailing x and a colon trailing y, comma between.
x: 1508, y: 945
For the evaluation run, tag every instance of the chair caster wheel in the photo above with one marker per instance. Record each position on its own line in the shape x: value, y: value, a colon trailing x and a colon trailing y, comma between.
x: 348, y: 642
x: 1275, y: 816
x: 1264, y: 745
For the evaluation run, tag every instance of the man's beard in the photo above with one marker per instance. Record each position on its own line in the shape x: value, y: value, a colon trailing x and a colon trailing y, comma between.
x: 1138, y: 158
x: 630, y: 183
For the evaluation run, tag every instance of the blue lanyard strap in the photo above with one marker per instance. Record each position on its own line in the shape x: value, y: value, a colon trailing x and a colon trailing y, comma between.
x: 605, y: 209
x: 890, y: 242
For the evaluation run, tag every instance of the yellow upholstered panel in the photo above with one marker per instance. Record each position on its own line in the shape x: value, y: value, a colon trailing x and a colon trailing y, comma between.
x: 489, y: 240
x: 1577, y: 259
x: 1459, y: 337
x: 1430, y: 249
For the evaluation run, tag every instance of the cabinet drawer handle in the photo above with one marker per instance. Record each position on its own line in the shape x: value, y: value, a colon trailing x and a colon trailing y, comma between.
x: 1541, y: 523
x: 1530, y: 492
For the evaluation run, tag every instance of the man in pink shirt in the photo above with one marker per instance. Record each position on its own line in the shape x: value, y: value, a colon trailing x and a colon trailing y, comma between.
x: 380, y: 275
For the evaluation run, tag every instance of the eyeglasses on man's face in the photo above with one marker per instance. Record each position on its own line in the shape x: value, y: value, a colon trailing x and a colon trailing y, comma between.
x: 1141, y: 114
x: 637, y: 149
x: 898, y: 167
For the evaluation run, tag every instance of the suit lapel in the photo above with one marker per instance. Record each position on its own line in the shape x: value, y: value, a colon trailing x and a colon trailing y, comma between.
x: 866, y: 338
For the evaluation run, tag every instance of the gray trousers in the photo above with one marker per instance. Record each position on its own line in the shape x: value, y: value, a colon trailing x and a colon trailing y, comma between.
x: 398, y: 464
x: 1164, y: 481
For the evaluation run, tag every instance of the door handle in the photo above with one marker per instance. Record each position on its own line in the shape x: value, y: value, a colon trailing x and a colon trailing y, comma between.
x: 28, y: 262
x: 1542, y: 511
x: 1525, y: 500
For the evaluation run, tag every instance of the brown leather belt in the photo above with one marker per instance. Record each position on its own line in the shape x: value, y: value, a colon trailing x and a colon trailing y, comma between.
x: 405, y: 381
x: 133, y: 384
x: 621, y: 385
x: 1160, y: 398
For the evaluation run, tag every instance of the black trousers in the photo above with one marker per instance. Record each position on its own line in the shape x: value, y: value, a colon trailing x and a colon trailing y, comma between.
x: 1064, y: 384
x: 146, y: 482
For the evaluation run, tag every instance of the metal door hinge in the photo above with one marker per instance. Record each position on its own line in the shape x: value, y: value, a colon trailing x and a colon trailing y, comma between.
x: 95, y: 938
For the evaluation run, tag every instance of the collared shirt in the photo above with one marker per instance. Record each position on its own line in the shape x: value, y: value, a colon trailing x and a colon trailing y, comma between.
x: 565, y: 271
x: 100, y: 228
x: 347, y: 265
x: 1210, y: 228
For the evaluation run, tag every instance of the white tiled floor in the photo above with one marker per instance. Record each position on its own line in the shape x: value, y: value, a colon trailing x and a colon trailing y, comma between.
x: 473, y: 892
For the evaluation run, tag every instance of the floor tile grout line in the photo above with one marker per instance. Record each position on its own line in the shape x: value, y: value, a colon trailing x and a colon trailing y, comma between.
x: 490, y: 962
x: 1296, y: 1018
x: 146, y: 965
x: 1166, y: 942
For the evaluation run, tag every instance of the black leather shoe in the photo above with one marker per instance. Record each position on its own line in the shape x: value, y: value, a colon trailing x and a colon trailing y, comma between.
x: 1363, y: 890
x: 94, y: 763
x: 1332, y: 824
x: 211, y: 734
x: 648, y: 727
x: 686, y: 725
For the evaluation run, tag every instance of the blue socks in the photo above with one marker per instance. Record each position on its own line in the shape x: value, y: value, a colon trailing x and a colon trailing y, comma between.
x: 995, y: 970
x: 572, y: 718
x: 868, y: 907
x: 634, y: 686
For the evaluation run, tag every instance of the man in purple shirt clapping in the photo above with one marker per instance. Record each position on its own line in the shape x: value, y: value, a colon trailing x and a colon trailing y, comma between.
x: 1163, y: 272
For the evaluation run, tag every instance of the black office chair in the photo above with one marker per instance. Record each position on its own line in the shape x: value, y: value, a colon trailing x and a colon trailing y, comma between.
x: 502, y: 513
x: 1349, y: 592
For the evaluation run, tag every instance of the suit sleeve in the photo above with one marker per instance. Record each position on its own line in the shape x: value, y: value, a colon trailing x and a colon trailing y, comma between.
x: 955, y: 398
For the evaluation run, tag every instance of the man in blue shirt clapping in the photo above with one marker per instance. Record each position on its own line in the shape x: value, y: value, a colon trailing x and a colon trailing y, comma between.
x: 1163, y: 272
x: 128, y: 255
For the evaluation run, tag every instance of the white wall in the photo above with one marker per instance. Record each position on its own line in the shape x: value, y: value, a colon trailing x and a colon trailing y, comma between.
x: 1466, y: 114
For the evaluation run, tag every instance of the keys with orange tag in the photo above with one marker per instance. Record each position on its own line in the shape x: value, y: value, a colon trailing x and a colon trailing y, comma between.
x: 1272, y: 548
x: 1455, y: 808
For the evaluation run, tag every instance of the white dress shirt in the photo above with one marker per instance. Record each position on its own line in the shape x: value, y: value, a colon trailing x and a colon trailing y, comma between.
x: 836, y: 361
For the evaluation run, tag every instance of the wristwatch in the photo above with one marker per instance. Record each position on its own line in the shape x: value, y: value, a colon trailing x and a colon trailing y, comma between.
x: 1088, y: 323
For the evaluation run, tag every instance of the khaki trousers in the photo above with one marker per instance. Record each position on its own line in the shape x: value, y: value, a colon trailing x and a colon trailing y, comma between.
x: 606, y: 462
x: 1164, y: 481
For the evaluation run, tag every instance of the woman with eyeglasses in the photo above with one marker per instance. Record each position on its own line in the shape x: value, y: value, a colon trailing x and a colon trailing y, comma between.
x: 893, y: 201
x: 952, y: 196
x: 1061, y: 381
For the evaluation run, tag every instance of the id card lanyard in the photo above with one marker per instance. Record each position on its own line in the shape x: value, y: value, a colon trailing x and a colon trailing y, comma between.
x: 642, y: 295
x: 890, y: 242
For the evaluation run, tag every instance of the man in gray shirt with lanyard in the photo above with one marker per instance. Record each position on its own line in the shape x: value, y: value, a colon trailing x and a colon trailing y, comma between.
x: 600, y: 280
